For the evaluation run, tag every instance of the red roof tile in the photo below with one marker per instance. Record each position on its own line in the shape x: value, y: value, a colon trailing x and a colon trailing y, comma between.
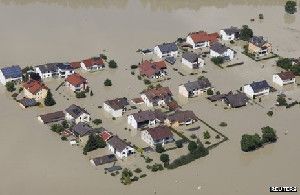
x: 34, y: 86
x: 160, y: 132
x: 105, y: 135
x: 148, y: 68
x: 93, y: 61
x: 75, y: 65
x: 75, y: 79
x: 203, y: 37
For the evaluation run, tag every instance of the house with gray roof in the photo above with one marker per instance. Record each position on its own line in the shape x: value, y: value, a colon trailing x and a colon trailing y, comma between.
x: 10, y: 73
x: 230, y: 34
x: 47, y: 70
x: 259, y: 46
x: 77, y: 114
x: 103, y: 159
x: 180, y: 118
x: 82, y: 131
x: 195, y: 88
x: 116, y: 107
x: 119, y: 147
x: 236, y: 100
x: 257, y: 89
x: 192, y: 60
x: 146, y: 118
x: 166, y: 50
x: 220, y: 50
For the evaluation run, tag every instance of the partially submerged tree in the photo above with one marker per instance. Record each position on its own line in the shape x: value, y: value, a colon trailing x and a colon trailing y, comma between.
x: 290, y: 7
x: 10, y: 86
x: 268, y: 135
x: 94, y: 142
x: 49, y: 101
x: 246, y: 33
x: 112, y: 64
x: 107, y: 83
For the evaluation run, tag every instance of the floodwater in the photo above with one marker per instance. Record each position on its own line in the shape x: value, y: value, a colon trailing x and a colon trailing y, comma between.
x: 34, y: 161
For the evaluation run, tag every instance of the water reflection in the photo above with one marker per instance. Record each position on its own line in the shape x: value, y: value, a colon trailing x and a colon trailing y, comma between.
x: 166, y: 5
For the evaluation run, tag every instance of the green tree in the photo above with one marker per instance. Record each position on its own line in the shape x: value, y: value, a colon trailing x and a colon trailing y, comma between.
x: 97, y: 121
x: 103, y: 56
x: 165, y: 159
x: 159, y: 148
x: 290, y: 7
x: 107, y: 82
x: 94, y: 142
x: 147, y: 82
x: 246, y: 33
x: 250, y: 142
x: 65, y: 124
x: 217, y: 60
x: 178, y: 143
x: 126, y: 176
x: 281, y: 101
x: 49, y: 101
x: 285, y: 63
x: 80, y: 94
x: 10, y: 86
x: 57, y: 128
x: 192, y: 146
x: 112, y: 64
x: 268, y: 135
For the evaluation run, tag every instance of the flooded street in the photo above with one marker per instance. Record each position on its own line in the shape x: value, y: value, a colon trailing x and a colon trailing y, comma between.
x: 35, y: 161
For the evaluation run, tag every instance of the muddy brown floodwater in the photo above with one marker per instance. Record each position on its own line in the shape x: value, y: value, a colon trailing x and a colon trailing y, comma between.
x: 34, y: 161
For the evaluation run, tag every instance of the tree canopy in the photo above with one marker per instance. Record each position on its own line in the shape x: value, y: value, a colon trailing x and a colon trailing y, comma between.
x: 290, y: 7
x: 268, y: 135
x: 10, y: 86
x: 49, y: 101
x: 246, y: 33
x: 94, y: 142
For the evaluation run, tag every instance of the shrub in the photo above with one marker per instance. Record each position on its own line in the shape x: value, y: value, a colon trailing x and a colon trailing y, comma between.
x: 207, y: 142
x: 159, y: 148
x: 10, y: 86
x: 80, y: 95
x: 126, y: 176
x: 114, y: 118
x: 281, y: 101
x: 157, y: 167
x: 143, y: 175
x: 112, y: 64
x: 135, y: 178
x: 148, y: 160
x: 138, y: 170
x: 268, y: 135
x: 20, y: 89
x: 133, y: 66
x: 192, y: 146
x: 165, y: 159
x: 103, y: 56
x: 290, y: 7
x: 217, y: 60
x: 210, y: 92
x: 223, y: 124
x: 206, y: 135
x: 217, y: 137
x: 270, y: 113
x: 94, y: 142
x: 178, y: 143
x: 107, y: 82
x: 231, y: 41
x: 91, y: 93
x: 193, y: 136
x: 147, y: 82
x: 63, y: 138
x: 97, y: 121
x: 139, y: 77
x: 285, y: 63
x: 65, y: 124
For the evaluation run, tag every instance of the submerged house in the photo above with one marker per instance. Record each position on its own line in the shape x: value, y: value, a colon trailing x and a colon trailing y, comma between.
x: 82, y: 131
x: 76, y: 82
x: 236, y: 100
x: 258, y: 46
x: 92, y: 64
x: 64, y: 70
x: 284, y: 78
x: 35, y: 90
x: 157, y: 96
x: 116, y: 107
x: 201, y: 39
x: 77, y: 114
x: 11, y: 73
x: 157, y: 135
x: 153, y: 70
x: 166, y: 50
x: 192, y: 60
x: 195, y: 88
x: 219, y: 50
x: 180, y: 118
x: 146, y: 118
x: 257, y: 89
x: 47, y: 70
x: 119, y: 147
x: 52, y: 117
x: 230, y: 34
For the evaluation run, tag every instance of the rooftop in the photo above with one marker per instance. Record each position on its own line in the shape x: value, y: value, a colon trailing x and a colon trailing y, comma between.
x: 231, y: 30
x: 150, y: 68
x: 201, y: 36
x: 190, y: 56
x: 182, y: 116
x: 236, y: 100
x: 82, y: 129
x: 160, y: 132
x: 258, y: 41
x: 75, y: 79
x: 118, y: 103
x: 196, y: 85
x: 34, y: 86
x: 76, y: 111
x: 117, y: 143
x: 288, y: 75
x: 12, y: 71
x: 93, y: 61
x: 159, y: 92
x: 259, y: 85
x: 149, y: 115
x: 167, y: 47
x: 219, y: 48
x: 53, y: 117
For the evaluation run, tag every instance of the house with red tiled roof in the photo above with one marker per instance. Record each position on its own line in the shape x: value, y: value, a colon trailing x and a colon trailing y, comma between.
x: 158, y: 135
x: 75, y: 65
x: 106, y: 135
x: 76, y: 82
x: 153, y: 70
x: 201, y: 39
x: 35, y: 90
x: 92, y: 64
x: 158, y: 96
